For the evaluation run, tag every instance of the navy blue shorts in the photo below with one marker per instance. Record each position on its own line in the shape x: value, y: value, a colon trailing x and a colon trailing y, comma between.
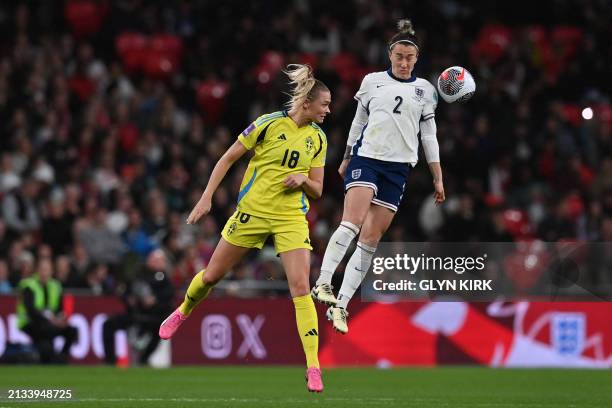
x: 387, y: 179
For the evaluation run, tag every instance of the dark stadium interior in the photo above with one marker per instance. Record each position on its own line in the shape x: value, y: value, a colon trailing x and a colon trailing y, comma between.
x: 113, y: 113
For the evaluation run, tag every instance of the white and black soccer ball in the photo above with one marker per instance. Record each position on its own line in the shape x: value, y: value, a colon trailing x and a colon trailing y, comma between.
x: 456, y: 84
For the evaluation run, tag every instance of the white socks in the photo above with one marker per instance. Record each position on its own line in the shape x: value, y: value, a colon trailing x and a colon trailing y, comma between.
x: 355, y: 272
x: 357, y: 267
x: 338, y: 244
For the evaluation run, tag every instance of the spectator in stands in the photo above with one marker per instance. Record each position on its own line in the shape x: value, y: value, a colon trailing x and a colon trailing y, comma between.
x: 57, y: 224
x: 98, y: 280
x: 65, y: 273
x: 80, y: 262
x: 40, y: 313
x: 100, y: 243
x: 19, y: 209
x: 135, y: 237
x: 9, y: 178
x: 25, y: 265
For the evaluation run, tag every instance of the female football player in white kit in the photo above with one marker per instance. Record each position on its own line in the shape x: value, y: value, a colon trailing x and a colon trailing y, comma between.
x: 393, y: 107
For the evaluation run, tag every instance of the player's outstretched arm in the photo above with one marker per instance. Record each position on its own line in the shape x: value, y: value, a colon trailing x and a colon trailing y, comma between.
x: 312, y: 185
x: 236, y: 151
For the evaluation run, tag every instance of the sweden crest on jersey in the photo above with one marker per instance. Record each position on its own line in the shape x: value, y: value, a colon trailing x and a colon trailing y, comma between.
x: 309, y: 145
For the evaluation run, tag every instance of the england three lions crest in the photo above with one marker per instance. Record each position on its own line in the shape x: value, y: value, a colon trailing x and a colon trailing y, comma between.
x: 419, y: 93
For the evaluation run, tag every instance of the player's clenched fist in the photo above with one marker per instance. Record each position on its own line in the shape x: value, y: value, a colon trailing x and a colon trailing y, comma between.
x: 295, y: 180
x: 201, y: 208
x: 439, y: 195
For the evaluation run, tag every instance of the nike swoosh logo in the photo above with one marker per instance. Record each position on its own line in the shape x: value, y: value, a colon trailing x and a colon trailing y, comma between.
x: 378, y: 86
x: 461, y: 75
x: 340, y: 244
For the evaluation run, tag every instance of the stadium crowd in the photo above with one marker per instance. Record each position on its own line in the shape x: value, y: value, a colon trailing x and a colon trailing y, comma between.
x: 112, y: 115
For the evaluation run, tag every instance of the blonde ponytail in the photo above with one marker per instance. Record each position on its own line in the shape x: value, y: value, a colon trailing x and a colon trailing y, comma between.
x: 304, y: 84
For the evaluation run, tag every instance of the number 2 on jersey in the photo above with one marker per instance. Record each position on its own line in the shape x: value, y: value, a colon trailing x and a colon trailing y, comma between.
x: 399, y: 102
x: 293, y: 159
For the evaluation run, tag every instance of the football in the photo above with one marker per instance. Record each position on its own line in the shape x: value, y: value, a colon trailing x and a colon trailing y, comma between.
x: 456, y: 84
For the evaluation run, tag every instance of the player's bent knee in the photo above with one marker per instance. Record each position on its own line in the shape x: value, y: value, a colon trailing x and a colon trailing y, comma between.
x: 299, y: 289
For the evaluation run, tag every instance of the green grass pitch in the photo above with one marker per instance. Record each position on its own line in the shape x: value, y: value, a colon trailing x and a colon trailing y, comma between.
x: 284, y: 387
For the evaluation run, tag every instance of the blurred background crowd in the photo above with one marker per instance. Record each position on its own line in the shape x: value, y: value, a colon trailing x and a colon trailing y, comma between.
x: 113, y: 113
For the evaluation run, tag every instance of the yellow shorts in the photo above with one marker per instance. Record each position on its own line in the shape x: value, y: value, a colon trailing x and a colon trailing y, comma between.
x: 249, y: 231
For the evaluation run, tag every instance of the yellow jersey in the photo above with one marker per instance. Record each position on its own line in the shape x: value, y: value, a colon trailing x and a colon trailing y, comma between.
x: 281, y: 149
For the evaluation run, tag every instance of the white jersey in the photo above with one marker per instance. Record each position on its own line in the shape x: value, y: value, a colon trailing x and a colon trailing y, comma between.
x: 395, y: 108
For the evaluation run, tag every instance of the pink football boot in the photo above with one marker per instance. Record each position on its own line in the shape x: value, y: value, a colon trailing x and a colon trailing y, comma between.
x: 171, y: 324
x: 313, y: 379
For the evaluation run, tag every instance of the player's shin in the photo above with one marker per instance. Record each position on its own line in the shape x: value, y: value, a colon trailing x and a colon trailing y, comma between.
x: 355, y: 272
x: 338, y: 244
x: 196, y: 292
x: 308, y: 328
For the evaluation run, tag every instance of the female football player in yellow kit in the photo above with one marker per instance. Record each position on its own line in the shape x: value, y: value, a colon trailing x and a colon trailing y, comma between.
x: 286, y: 169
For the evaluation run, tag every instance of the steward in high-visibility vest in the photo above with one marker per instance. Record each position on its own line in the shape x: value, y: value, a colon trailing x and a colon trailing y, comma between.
x: 45, y: 298
x: 40, y: 313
